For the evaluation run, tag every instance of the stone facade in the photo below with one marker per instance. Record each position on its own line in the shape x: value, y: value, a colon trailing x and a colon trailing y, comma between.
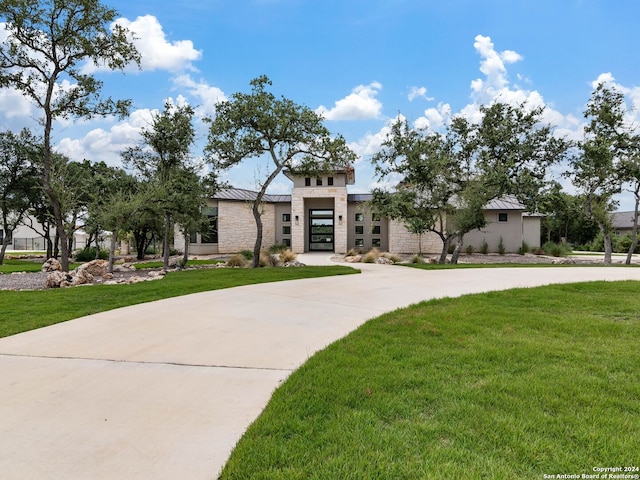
x: 237, y: 227
x: 402, y: 241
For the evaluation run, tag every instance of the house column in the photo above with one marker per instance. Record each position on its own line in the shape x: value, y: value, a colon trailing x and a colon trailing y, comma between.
x: 298, y: 221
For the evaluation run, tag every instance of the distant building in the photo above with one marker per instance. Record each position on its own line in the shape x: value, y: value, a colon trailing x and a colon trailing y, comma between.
x: 622, y: 222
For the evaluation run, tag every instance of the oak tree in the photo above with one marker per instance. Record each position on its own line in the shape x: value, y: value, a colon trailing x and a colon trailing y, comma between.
x: 48, y: 44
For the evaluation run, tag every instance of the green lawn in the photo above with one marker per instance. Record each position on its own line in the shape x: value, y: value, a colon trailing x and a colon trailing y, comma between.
x: 26, y: 310
x: 30, y: 266
x: 503, y: 385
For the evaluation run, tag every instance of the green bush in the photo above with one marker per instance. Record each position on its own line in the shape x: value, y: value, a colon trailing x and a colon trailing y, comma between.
x: 248, y: 254
x: 88, y: 254
x: 485, y: 247
x: 524, y: 248
x: 501, y: 248
x: 451, y: 248
x: 555, y: 249
x: 470, y: 249
x: 621, y: 244
x: 277, y: 248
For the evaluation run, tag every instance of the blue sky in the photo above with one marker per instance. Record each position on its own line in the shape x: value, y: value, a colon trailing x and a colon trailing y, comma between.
x: 360, y: 63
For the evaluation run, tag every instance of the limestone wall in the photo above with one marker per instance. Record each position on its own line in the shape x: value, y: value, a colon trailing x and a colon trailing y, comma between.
x: 237, y: 227
x: 401, y: 241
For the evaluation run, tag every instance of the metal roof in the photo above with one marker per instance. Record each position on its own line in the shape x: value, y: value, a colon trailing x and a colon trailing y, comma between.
x: 508, y: 202
x: 242, y: 195
x: 622, y: 220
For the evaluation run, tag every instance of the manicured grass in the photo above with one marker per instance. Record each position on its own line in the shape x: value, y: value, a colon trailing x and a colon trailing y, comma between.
x: 159, y: 263
x: 30, y: 266
x: 26, y: 310
x: 502, y: 385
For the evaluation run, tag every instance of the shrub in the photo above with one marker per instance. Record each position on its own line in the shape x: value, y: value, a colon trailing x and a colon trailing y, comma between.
x: 351, y: 253
x: 555, y: 249
x: 470, y: 249
x: 277, y: 248
x: 287, y: 256
x: 501, y: 248
x: 417, y: 259
x: 248, y: 254
x: 485, y: 247
x: 88, y: 254
x: 524, y: 248
x: 238, y: 260
x: 622, y: 244
x: 451, y: 248
x: 371, y: 256
x: 268, y: 260
x: 393, y: 257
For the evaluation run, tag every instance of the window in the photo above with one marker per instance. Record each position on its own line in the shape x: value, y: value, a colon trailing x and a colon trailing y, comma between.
x: 330, y: 181
x: 359, y: 229
x: 359, y: 217
x: 286, y: 230
x: 503, y: 217
x: 286, y: 242
x: 286, y: 217
x: 375, y: 217
x: 375, y: 230
x: 375, y: 242
x: 212, y: 235
x: 359, y: 242
x: 307, y: 182
x: 318, y: 182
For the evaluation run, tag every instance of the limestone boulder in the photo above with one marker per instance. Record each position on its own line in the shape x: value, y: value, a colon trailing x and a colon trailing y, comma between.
x: 353, y: 259
x: 51, y: 265
x: 57, y: 279
x: 97, y: 268
x: 81, y: 277
x: 125, y: 267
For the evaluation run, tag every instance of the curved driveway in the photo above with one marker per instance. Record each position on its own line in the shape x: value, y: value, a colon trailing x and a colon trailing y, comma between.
x: 164, y: 390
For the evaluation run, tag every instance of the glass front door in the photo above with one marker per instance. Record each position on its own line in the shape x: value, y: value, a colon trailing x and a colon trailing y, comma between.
x: 321, y: 231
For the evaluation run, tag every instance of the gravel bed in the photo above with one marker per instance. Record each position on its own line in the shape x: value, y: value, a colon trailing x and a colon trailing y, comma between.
x: 22, y: 281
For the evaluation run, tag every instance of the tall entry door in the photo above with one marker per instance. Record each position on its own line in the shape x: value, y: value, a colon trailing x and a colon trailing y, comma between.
x: 321, y: 231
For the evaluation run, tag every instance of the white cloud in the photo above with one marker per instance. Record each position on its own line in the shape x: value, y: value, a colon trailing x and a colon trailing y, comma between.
x: 106, y: 145
x: 157, y: 53
x: 493, y: 67
x: 360, y: 104
x: 418, y: 92
x: 434, y: 118
x: 206, y: 96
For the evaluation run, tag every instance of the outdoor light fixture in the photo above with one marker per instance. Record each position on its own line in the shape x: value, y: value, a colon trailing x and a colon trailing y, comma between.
x: 340, y: 219
x: 296, y: 219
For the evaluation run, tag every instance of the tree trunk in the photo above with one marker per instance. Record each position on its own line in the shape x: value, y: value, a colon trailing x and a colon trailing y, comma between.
x: 185, y: 256
x: 258, y: 245
x: 607, y: 248
x: 48, y: 188
x: 166, y: 251
x: 634, y: 233
x: 5, y: 244
x: 458, y: 249
x: 112, y: 249
x: 445, y: 250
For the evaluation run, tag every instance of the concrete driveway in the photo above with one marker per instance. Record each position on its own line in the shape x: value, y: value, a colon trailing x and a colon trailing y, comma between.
x: 164, y: 390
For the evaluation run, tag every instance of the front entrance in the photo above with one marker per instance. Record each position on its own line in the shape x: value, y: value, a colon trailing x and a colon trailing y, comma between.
x: 321, y: 230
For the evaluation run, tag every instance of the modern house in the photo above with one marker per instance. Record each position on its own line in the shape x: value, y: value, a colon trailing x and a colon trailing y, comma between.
x: 321, y: 216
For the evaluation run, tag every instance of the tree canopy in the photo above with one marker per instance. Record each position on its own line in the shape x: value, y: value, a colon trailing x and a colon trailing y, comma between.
x: 286, y: 135
x: 48, y: 44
